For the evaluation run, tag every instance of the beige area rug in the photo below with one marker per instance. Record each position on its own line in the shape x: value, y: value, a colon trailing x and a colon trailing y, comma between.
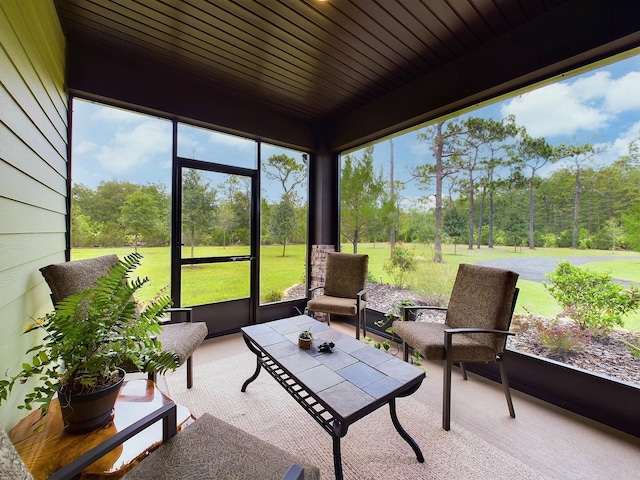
x: 372, y: 449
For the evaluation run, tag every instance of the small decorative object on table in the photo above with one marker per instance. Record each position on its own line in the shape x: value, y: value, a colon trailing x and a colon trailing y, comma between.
x: 326, y: 347
x: 305, y: 339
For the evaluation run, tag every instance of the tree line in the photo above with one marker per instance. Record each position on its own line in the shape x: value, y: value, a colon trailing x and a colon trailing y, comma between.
x: 483, y: 181
x: 485, y: 186
x: 118, y: 213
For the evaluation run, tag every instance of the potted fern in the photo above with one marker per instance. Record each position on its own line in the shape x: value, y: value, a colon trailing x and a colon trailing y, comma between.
x: 85, y: 340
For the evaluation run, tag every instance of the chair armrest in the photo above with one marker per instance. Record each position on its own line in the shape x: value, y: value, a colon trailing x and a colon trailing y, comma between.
x: 408, y: 308
x: 167, y: 413
x: 295, y: 472
x: 453, y: 331
x: 186, y: 310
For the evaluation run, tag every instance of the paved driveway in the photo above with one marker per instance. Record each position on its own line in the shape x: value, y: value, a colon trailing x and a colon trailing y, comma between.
x: 535, y: 268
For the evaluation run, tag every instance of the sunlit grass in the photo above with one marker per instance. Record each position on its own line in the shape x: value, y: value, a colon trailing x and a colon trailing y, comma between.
x: 432, y: 281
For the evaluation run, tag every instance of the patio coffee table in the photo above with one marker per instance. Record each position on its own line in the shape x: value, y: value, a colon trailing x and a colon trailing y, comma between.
x: 337, y: 388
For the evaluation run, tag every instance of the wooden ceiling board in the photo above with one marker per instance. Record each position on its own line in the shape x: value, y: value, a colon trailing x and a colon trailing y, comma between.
x: 340, y: 33
x: 214, y: 45
x: 300, y: 38
x: 227, y: 71
x: 313, y: 60
x: 512, y: 12
x: 204, y: 46
x: 344, y: 79
x: 483, y: 26
x: 434, y: 49
x: 368, y: 17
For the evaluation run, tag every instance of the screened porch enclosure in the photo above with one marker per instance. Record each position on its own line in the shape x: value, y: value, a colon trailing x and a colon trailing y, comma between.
x: 314, y: 77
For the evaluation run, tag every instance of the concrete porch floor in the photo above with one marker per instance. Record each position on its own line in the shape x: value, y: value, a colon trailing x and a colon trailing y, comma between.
x: 553, y: 441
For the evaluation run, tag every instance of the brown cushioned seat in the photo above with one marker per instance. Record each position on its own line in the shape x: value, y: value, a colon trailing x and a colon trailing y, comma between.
x: 213, y: 449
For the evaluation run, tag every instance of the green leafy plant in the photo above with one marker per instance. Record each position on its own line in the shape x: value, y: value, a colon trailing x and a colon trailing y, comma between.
x: 306, y: 334
x: 560, y: 340
x: 591, y: 299
x: 633, y: 346
x: 396, y: 313
x: 397, y: 309
x: 400, y: 265
x: 417, y: 358
x: 88, y: 335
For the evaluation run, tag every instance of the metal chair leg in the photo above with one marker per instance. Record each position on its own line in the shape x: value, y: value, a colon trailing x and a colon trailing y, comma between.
x: 464, y: 370
x: 446, y: 395
x: 189, y: 372
x: 505, y: 385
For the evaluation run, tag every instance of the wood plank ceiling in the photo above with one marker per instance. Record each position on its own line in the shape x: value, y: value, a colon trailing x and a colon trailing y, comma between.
x: 311, y: 59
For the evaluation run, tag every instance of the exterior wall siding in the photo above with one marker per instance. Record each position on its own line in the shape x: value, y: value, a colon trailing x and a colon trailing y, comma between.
x: 33, y: 173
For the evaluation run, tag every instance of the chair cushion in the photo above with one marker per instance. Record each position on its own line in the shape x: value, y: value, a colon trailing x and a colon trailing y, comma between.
x: 482, y: 297
x: 335, y: 305
x: 183, y: 338
x: 346, y: 274
x: 428, y: 339
x: 211, y: 448
x: 11, y: 465
x: 69, y: 278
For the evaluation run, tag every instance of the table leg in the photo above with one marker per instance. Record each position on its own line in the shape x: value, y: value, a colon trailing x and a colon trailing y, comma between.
x: 338, y: 433
x: 258, y: 365
x: 403, y: 433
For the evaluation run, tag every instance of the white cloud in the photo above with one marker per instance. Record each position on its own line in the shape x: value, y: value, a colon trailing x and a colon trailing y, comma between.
x: 136, y: 147
x: 622, y: 94
x: 589, y: 103
x: 85, y: 146
x: 231, y: 141
x: 620, y: 146
x: 558, y: 109
x: 115, y: 115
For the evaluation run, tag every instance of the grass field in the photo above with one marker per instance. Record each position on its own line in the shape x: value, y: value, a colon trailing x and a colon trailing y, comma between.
x: 216, y: 282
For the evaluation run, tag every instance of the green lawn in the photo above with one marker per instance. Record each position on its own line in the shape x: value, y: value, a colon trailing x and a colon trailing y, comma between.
x: 225, y: 281
x: 434, y: 281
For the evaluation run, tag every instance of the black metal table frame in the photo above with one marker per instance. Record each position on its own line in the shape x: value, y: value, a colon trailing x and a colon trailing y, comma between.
x: 320, y: 412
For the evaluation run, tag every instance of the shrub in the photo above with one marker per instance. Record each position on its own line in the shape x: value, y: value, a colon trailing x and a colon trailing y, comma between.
x: 401, y: 265
x: 549, y: 240
x: 591, y: 299
x: 271, y: 296
x: 560, y: 340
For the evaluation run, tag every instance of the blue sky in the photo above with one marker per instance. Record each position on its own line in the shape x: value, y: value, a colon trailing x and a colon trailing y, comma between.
x: 601, y: 107
x: 113, y: 144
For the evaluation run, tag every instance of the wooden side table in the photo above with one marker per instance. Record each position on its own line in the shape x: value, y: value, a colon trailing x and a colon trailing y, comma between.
x: 45, y: 447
